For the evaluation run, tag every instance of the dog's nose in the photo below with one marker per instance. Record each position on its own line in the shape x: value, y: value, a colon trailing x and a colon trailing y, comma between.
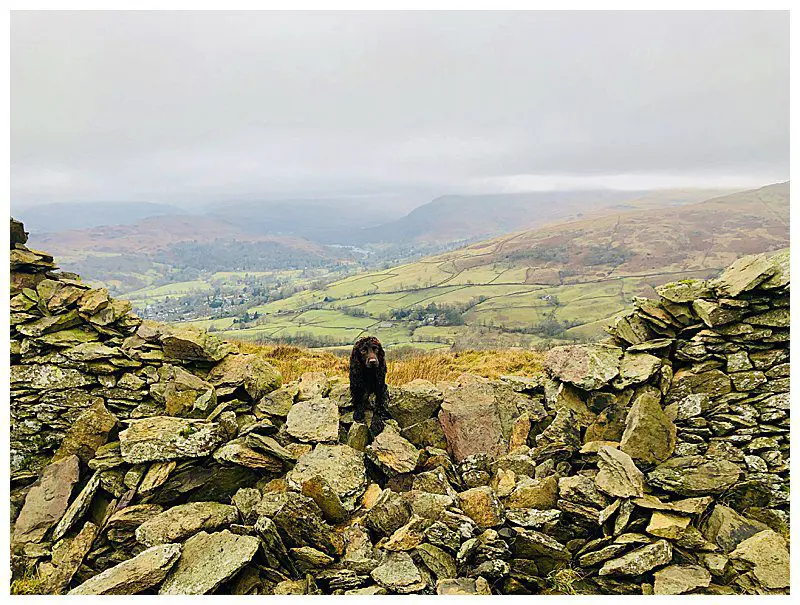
x: 372, y: 362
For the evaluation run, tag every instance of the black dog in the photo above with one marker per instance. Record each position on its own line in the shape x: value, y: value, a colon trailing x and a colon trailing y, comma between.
x: 368, y: 376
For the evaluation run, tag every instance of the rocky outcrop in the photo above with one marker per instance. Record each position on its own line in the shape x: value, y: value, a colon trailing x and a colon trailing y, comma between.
x: 150, y: 459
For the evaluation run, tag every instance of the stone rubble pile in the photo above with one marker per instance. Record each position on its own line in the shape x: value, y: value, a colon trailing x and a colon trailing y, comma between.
x: 159, y: 460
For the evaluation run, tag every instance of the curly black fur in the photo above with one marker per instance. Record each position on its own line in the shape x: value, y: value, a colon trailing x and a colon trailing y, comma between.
x: 368, y: 376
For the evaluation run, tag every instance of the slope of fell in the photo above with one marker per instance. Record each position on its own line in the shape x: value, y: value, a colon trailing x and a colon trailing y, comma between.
x: 564, y: 281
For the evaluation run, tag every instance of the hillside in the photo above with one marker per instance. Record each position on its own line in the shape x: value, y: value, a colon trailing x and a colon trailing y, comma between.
x: 147, y: 458
x: 326, y: 221
x: 172, y: 253
x: 470, y: 217
x: 564, y: 281
x: 48, y: 218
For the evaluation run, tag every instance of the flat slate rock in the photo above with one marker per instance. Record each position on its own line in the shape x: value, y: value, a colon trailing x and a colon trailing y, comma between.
x: 47, y: 501
x: 207, y: 561
x: 618, y: 475
x: 341, y: 466
x: 680, y: 579
x: 588, y: 367
x: 162, y: 438
x: 314, y: 420
x: 639, y: 561
x: 145, y: 570
x: 184, y: 520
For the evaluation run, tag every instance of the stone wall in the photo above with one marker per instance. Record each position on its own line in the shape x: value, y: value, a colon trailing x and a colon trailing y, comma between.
x: 151, y: 459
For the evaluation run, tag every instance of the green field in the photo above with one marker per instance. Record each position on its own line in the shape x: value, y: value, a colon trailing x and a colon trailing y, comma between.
x: 562, y: 283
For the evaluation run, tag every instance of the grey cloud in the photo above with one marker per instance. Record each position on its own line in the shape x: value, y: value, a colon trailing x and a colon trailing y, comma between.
x: 176, y: 106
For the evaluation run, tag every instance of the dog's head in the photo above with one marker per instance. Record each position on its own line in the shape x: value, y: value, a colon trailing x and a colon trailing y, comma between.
x: 368, y: 352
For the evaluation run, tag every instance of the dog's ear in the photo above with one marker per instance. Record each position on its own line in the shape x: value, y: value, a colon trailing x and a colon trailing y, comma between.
x: 381, y: 354
x: 355, y: 355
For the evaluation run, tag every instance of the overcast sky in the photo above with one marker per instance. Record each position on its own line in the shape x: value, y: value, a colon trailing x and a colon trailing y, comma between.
x: 197, y: 106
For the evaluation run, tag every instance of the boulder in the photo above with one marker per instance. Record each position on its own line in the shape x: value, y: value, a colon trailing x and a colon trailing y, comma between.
x: 47, y: 500
x: 562, y: 437
x: 45, y: 377
x: 588, y: 367
x: 207, y: 561
x: 639, y: 561
x: 237, y: 452
x: 313, y: 385
x: 713, y: 314
x: 562, y: 396
x: 162, y: 438
x: 67, y: 556
x: 694, y: 475
x: 409, y: 536
x: 680, y: 579
x: 650, y: 435
x: 531, y: 544
x: 482, y: 506
x: 463, y: 586
x: 743, y: 275
x: 190, y: 344
x: 18, y: 233
x: 184, y: 520
x: 767, y: 556
x: 414, y: 402
x: 122, y: 524
x: 77, y: 508
x: 145, y: 570
x: 392, y: 452
x: 471, y: 420
x: 340, y: 466
x: 313, y: 531
x: 441, y: 564
x: 539, y: 494
x: 684, y: 291
x: 398, y: 574
x: 635, y: 368
x: 726, y: 528
x: 667, y: 525
x: 389, y: 513
x: 713, y: 383
x: 185, y: 394
x: 257, y: 376
x: 617, y: 475
x: 314, y: 420
x: 89, y: 431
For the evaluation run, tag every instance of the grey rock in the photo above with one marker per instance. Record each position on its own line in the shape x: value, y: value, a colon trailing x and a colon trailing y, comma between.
x: 694, y: 475
x: 184, y: 520
x: 315, y: 420
x: 650, y: 435
x: 414, y: 402
x: 680, y: 579
x: 207, y: 561
x: 47, y: 501
x: 162, y: 438
x: 145, y: 570
x: 586, y: 366
x: 399, y: 574
x: 340, y: 466
x: 639, y: 561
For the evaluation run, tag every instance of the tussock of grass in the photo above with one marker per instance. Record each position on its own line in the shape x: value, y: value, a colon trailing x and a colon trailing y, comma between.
x: 434, y: 366
x: 30, y: 583
x: 293, y: 361
x: 563, y: 581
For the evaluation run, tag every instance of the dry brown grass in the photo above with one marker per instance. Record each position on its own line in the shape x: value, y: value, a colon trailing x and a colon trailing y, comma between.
x: 293, y: 361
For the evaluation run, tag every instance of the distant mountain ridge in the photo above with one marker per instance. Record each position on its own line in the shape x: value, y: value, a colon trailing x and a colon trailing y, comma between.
x: 471, y: 217
x: 49, y: 218
x: 563, y: 281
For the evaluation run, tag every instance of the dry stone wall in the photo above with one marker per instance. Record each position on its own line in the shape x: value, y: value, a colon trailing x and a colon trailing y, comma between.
x: 152, y: 459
